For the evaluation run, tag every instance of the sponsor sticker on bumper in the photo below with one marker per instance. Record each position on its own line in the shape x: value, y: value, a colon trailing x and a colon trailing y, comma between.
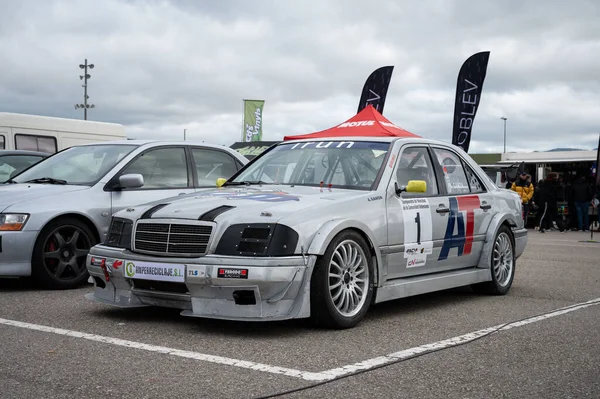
x: 155, y: 271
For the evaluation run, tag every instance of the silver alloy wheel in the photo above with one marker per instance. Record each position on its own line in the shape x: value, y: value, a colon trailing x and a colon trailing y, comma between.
x: 503, y: 260
x: 348, y: 278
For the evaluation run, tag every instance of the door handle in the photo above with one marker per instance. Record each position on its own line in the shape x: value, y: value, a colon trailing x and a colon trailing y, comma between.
x: 485, y: 205
x: 182, y: 193
x: 442, y: 209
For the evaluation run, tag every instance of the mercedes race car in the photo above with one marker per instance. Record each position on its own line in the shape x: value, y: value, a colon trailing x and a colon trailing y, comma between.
x: 319, y: 230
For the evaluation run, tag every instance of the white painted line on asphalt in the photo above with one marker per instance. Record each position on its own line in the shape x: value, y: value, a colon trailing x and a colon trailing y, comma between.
x: 305, y: 375
x: 448, y: 343
x: 164, y: 350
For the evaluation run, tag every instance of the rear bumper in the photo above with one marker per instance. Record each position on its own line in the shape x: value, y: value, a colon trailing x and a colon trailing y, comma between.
x: 272, y: 288
x: 16, y: 248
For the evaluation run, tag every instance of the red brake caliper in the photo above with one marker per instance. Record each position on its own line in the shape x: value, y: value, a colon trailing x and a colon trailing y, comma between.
x: 51, y: 248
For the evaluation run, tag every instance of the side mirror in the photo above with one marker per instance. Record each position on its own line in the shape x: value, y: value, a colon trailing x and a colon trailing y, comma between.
x: 413, y: 186
x: 416, y: 186
x: 221, y: 181
x: 132, y: 180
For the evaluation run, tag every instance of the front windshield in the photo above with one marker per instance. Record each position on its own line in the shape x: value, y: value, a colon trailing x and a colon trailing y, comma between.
x: 84, y: 165
x: 342, y: 164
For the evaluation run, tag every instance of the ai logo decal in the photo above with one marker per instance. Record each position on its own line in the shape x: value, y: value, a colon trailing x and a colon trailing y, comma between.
x: 463, y: 239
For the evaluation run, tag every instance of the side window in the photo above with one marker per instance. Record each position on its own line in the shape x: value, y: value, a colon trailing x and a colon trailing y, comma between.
x: 162, y: 168
x: 35, y: 143
x: 211, y: 165
x: 415, y: 164
x: 454, y: 174
x: 474, y: 182
x: 2, y: 142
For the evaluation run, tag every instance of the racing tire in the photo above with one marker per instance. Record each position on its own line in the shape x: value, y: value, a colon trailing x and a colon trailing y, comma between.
x: 58, y: 261
x: 341, y: 287
x: 503, y: 264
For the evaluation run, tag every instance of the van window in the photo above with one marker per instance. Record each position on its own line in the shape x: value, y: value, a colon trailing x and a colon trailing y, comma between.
x: 35, y: 143
x: 2, y: 142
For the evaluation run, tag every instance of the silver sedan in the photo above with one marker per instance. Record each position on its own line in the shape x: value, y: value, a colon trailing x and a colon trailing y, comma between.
x: 317, y: 229
x: 52, y: 213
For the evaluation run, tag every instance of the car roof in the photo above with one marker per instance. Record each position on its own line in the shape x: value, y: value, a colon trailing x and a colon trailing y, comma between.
x: 24, y: 152
x: 149, y: 143
x: 382, y: 139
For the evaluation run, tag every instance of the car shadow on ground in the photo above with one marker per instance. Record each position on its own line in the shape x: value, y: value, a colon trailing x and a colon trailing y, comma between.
x: 377, y: 313
x: 17, y: 284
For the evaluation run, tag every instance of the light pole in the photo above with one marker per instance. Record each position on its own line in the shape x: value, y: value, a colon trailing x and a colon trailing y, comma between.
x: 504, y: 119
x: 184, y: 132
x: 85, y: 78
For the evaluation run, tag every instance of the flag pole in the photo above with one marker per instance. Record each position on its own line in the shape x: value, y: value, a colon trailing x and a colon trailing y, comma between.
x: 243, y: 109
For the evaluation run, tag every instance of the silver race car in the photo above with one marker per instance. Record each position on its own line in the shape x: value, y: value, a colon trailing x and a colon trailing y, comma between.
x: 319, y: 229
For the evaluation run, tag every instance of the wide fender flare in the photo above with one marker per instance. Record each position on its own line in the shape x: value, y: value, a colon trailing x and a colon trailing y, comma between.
x: 330, y: 229
x: 497, y: 221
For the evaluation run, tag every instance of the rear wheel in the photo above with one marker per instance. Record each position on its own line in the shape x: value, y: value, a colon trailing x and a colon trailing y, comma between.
x: 502, y: 265
x: 59, y: 254
x: 342, y: 282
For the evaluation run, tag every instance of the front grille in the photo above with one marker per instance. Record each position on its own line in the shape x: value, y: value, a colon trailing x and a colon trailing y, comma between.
x: 172, y: 238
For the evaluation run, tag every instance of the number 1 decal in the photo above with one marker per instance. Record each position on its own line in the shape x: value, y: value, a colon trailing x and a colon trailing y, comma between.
x: 418, y: 241
x: 418, y: 222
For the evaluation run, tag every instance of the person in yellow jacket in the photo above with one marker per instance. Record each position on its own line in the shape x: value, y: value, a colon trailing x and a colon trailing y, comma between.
x: 525, y: 189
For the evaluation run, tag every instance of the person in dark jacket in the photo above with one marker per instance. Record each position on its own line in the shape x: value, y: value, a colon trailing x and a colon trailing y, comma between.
x: 550, y: 197
x: 582, y: 195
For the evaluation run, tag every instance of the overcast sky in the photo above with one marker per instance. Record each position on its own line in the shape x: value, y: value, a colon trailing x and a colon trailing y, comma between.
x: 162, y: 66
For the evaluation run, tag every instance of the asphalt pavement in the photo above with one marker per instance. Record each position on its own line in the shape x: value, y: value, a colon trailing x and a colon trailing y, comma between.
x: 57, y: 344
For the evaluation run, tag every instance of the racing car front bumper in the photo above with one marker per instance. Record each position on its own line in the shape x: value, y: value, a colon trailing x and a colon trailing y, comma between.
x: 221, y: 287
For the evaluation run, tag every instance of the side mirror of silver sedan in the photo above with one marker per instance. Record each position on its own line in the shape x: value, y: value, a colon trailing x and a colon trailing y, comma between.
x: 132, y: 180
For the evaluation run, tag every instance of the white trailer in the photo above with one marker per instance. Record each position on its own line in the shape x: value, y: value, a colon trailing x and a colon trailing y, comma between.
x: 50, y: 134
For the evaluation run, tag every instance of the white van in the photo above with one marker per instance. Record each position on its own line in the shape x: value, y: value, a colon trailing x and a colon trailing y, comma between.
x: 49, y: 134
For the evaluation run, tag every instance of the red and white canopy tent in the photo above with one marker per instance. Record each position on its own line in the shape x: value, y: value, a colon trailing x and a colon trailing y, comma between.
x: 368, y: 122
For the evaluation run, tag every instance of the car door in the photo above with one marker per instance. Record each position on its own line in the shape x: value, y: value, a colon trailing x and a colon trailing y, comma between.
x: 469, y: 212
x: 412, y: 219
x: 166, y: 171
x: 209, y: 164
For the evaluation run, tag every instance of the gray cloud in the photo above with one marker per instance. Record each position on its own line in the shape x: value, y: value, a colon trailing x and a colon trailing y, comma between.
x: 164, y: 66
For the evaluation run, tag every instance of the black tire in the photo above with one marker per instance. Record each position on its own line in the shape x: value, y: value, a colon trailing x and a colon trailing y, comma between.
x: 494, y: 287
x: 323, y: 312
x: 48, y: 254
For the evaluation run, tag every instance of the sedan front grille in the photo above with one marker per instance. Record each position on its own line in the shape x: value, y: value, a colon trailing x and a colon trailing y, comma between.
x: 172, y: 239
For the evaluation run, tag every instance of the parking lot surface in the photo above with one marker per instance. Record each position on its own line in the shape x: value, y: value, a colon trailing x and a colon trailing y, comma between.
x: 57, y: 344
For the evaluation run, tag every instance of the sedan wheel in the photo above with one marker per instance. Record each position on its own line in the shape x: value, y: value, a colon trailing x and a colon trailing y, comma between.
x: 348, y: 276
x: 59, y: 258
x: 342, y: 283
x: 503, y: 259
x: 502, y: 265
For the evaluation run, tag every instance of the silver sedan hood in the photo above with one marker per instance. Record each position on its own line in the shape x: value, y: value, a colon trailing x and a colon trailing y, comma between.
x: 267, y: 204
x: 11, y: 194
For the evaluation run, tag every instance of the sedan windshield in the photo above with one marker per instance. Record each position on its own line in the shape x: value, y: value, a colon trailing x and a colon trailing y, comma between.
x: 342, y: 164
x: 84, y: 165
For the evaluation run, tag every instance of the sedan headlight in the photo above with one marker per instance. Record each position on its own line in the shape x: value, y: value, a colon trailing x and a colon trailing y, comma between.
x: 258, y: 240
x: 119, y: 233
x: 13, y: 221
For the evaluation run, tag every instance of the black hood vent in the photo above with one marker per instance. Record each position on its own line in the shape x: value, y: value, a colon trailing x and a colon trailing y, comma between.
x: 148, y: 214
x: 212, y: 214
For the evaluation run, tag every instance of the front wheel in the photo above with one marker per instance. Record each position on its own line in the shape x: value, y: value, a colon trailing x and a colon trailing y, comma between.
x: 59, y: 254
x: 502, y: 265
x: 342, y: 282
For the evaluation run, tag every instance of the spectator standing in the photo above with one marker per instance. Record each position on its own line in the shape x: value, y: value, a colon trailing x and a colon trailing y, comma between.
x: 550, y: 184
x: 525, y: 189
x: 582, y: 195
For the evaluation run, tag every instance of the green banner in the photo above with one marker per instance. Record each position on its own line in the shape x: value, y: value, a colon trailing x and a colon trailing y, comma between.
x: 253, y: 110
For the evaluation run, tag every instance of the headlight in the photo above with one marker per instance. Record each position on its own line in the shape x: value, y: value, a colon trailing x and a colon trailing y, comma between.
x: 258, y: 239
x: 13, y: 221
x: 119, y: 233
